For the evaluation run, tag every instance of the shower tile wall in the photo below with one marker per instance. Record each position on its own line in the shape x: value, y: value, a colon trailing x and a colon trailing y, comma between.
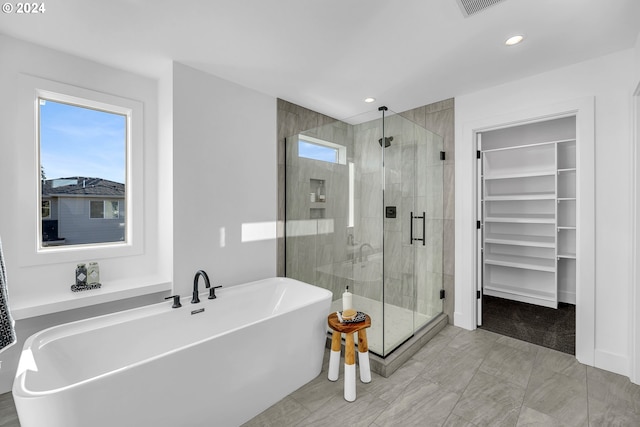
x: 321, y: 236
x: 292, y: 119
x: 313, y: 238
x: 368, y: 205
x: 438, y: 118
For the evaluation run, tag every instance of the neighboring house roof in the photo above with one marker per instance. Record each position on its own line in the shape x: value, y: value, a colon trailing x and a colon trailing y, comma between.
x: 82, y: 186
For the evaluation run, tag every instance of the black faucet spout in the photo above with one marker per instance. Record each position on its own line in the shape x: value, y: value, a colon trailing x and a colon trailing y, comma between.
x: 207, y: 284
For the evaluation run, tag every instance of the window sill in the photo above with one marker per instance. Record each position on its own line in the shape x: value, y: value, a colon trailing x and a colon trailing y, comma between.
x: 112, y: 291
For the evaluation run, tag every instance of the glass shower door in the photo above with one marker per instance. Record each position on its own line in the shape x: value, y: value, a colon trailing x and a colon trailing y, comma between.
x: 368, y: 249
x: 413, y: 229
x: 429, y: 192
x: 357, y: 193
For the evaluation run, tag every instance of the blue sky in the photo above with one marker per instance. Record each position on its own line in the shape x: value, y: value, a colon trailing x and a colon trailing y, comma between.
x: 77, y: 141
x: 316, y: 152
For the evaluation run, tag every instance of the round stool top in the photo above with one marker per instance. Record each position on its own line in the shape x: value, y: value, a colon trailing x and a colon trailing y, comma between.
x: 347, y: 328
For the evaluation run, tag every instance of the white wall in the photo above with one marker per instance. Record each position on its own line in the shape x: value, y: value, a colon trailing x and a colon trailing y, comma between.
x: 637, y: 58
x: 610, y: 80
x: 224, y: 176
x: 17, y: 166
x: 635, y: 290
x: 29, y: 285
x: 211, y: 140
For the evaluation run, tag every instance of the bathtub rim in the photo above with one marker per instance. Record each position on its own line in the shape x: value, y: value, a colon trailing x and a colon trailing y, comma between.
x: 19, y: 388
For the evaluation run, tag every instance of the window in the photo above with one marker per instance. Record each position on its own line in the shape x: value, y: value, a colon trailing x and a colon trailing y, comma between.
x: 46, y: 209
x: 105, y: 209
x: 83, y: 163
x: 318, y: 149
x: 317, y: 152
x: 47, y: 241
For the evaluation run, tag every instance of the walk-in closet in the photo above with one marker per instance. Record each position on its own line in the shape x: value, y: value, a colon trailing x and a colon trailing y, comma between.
x: 527, y: 231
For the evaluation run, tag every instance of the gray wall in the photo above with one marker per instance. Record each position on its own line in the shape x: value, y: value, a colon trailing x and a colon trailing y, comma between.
x: 292, y: 119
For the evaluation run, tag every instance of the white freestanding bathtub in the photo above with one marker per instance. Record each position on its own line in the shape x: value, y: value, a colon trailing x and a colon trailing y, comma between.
x: 159, y: 366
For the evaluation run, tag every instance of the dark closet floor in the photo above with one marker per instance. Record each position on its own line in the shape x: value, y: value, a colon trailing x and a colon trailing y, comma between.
x: 548, y: 327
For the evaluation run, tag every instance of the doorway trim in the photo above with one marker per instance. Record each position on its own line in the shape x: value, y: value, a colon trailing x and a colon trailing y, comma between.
x: 466, y: 236
x: 634, y: 289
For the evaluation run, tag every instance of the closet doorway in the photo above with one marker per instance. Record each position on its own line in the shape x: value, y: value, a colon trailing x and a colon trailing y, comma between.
x: 527, y: 231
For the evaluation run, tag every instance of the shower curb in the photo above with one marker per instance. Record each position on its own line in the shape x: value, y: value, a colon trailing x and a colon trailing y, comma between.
x: 388, y: 365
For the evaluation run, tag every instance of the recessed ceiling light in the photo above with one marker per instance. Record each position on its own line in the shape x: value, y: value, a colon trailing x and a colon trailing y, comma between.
x: 514, y: 40
x: 369, y: 100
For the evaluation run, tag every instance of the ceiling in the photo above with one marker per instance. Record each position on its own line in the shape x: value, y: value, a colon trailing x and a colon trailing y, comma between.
x: 328, y: 55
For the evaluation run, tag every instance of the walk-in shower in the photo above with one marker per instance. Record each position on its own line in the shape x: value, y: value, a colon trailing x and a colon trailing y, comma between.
x: 364, y: 209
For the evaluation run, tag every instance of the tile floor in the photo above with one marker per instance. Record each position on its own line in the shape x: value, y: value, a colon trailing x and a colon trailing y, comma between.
x: 460, y: 378
x: 464, y: 378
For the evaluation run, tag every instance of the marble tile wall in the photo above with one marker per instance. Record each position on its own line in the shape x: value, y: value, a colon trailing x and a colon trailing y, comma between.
x: 316, y: 232
x: 292, y: 119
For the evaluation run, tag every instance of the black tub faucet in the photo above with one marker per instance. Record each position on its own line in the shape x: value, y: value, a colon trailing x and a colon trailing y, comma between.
x: 207, y: 284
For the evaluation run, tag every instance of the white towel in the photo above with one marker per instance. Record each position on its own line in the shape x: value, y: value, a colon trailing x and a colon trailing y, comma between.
x: 7, y: 333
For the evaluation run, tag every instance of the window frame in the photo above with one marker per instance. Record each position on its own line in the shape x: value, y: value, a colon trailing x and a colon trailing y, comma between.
x: 341, y: 150
x: 31, y: 247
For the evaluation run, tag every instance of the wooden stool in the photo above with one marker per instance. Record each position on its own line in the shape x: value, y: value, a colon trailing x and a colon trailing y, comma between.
x: 339, y: 328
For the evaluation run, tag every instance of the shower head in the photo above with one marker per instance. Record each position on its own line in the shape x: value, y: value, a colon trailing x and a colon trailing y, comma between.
x: 387, y: 141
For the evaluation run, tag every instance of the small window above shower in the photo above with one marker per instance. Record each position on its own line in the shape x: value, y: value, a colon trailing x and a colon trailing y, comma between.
x: 324, y: 151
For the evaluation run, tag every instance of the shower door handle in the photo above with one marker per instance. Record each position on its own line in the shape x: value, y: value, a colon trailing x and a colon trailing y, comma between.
x: 412, y: 239
x: 411, y: 230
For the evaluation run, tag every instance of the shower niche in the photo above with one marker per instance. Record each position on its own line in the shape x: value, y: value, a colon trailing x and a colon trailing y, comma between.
x: 352, y: 187
x: 317, y: 198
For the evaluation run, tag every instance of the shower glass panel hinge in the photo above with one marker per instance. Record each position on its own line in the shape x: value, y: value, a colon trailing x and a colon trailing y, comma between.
x: 442, y: 293
x: 442, y: 155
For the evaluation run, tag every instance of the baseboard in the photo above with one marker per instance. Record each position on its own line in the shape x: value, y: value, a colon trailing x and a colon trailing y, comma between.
x: 612, y: 362
x: 566, y: 296
x: 463, y: 321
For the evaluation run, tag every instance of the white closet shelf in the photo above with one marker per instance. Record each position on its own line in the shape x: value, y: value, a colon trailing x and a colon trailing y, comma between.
x: 535, y: 293
x: 531, y: 296
x: 529, y: 263
x: 521, y: 240
x: 516, y: 147
x: 523, y: 218
x: 512, y: 175
x: 563, y: 170
x: 567, y: 255
x: 520, y: 196
x: 566, y: 199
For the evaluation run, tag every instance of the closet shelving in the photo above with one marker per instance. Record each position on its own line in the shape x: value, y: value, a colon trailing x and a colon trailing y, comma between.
x: 529, y: 219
